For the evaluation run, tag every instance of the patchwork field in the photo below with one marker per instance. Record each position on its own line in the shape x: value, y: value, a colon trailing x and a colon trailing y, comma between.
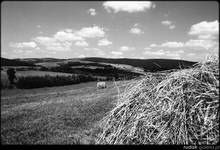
x: 56, y: 115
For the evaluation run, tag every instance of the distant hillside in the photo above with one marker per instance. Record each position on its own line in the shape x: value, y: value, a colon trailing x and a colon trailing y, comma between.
x: 147, y: 64
x: 12, y: 62
x: 39, y: 60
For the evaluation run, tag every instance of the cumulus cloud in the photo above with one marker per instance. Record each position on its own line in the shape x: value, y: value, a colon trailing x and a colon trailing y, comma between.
x: 159, y: 52
x: 92, y: 11
x: 81, y: 56
x: 205, y: 30
x: 173, y: 44
x: 153, y: 45
x: 136, y: 30
x: 164, y: 53
x: 67, y: 35
x: 168, y: 23
x: 91, y: 49
x: 52, y: 44
x: 81, y: 43
x: 116, y: 53
x: 126, y: 48
x: 91, y: 32
x: 64, y: 39
x: 104, y: 42
x: 128, y: 6
x: 198, y: 44
x: 206, y: 34
x: 23, y: 45
x: 201, y: 44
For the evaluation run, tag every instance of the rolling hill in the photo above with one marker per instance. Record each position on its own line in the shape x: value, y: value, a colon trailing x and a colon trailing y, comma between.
x: 14, y: 62
x: 100, y: 66
x: 147, y: 64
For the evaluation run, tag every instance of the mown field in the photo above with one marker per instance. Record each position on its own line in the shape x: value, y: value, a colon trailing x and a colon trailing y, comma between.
x: 56, y: 115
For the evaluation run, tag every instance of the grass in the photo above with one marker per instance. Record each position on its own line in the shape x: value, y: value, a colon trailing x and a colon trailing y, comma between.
x: 57, y: 115
x: 178, y: 108
x: 40, y: 73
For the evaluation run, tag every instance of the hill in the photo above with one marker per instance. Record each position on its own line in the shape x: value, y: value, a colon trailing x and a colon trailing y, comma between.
x: 39, y: 60
x: 13, y: 62
x: 147, y: 64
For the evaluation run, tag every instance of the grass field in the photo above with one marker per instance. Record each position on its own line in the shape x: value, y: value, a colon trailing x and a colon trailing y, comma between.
x: 56, y: 115
x: 40, y: 73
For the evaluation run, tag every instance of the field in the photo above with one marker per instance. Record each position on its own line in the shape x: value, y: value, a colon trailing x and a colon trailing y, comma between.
x: 28, y: 73
x: 40, y: 73
x: 56, y: 115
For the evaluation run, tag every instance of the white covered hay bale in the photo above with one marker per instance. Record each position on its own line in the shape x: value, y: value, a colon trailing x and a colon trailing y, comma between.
x: 101, y: 85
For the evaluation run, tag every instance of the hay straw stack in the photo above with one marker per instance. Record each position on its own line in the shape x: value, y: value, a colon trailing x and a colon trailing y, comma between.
x: 180, y: 108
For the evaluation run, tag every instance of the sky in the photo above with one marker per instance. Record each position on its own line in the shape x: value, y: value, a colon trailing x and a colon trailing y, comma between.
x: 187, y: 30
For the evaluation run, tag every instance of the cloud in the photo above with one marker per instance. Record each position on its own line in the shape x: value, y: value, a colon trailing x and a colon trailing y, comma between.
x: 168, y: 23
x: 116, y: 53
x: 81, y: 44
x: 172, y: 26
x: 4, y: 53
x: 126, y: 48
x: 67, y: 35
x: 23, y: 45
x: 201, y: 44
x: 104, y: 42
x: 169, y: 45
x: 205, y: 30
x: 206, y: 34
x: 81, y: 56
x: 91, y: 32
x: 198, y: 44
x: 153, y: 45
x: 64, y: 39
x: 173, y: 44
x: 92, y: 11
x: 99, y: 53
x: 128, y: 6
x: 164, y: 53
x: 136, y: 30
x: 52, y: 44
x: 159, y: 52
x: 91, y: 49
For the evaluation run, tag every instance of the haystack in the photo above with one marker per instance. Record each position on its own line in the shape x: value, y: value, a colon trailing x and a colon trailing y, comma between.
x: 179, y: 108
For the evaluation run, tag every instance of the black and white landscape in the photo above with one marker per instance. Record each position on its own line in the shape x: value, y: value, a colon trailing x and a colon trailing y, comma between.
x: 110, y: 72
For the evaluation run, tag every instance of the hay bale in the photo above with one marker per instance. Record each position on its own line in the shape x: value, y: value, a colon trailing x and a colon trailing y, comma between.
x: 101, y: 85
x: 180, y: 108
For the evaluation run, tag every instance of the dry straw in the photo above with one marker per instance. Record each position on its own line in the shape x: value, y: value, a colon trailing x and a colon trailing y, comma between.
x: 180, y: 107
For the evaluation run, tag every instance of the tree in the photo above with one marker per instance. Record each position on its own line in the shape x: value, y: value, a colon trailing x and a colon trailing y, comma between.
x: 11, y: 75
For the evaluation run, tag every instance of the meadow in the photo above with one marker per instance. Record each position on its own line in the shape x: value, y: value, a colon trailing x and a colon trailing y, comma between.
x: 55, y: 115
